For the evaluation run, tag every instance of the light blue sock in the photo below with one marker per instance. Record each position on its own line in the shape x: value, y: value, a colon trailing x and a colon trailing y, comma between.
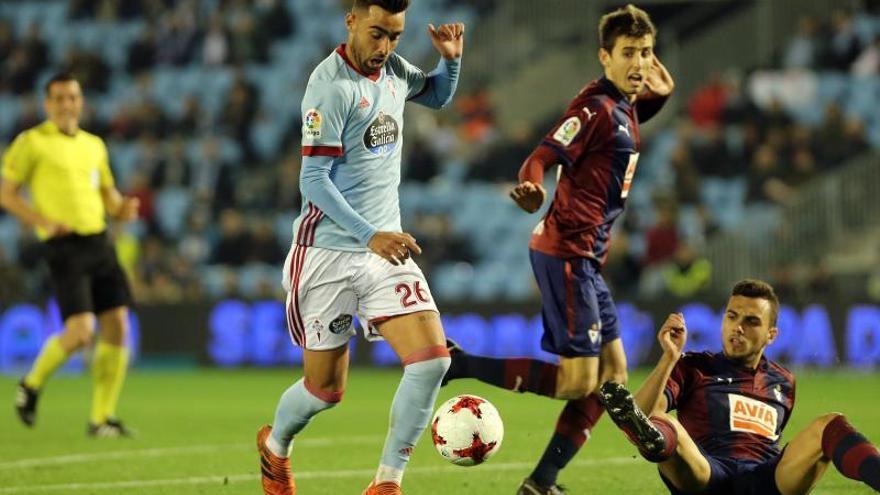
x: 295, y: 410
x: 410, y: 412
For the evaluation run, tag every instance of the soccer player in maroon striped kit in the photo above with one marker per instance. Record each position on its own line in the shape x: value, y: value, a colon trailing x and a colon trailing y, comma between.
x: 597, y: 143
x: 732, y: 407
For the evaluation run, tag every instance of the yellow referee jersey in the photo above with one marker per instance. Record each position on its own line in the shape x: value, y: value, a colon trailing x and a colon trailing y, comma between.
x: 64, y: 174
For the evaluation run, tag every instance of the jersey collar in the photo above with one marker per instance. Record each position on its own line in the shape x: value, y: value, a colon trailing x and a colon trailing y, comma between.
x: 612, y: 91
x: 373, y: 77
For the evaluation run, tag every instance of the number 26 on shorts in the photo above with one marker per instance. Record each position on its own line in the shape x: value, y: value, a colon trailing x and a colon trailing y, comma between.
x: 410, y: 296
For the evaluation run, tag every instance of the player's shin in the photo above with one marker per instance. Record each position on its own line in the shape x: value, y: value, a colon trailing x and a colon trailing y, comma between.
x: 410, y: 412
x: 572, y: 430
x: 515, y: 374
x: 853, y: 455
x: 297, y: 406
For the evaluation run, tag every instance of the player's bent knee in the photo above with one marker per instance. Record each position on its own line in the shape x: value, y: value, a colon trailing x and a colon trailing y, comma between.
x: 822, y: 421
x: 431, y: 370
x: 430, y: 362
x: 329, y: 396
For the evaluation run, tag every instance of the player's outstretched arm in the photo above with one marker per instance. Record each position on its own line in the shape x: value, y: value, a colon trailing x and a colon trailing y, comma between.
x: 440, y: 83
x: 672, y: 338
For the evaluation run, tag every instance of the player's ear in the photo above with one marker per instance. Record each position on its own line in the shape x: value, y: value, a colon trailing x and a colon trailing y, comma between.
x: 604, y: 57
x: 350, y: 19
x: 771, y: 334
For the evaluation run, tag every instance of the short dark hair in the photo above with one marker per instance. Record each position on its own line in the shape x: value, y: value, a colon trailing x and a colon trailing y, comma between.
x: 758, y: 289
x: 57, y: 78
x: 629, y: 21
x: 393, y: 6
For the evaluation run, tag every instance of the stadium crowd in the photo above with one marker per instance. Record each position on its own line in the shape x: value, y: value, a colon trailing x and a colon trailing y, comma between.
x: 216, y: 165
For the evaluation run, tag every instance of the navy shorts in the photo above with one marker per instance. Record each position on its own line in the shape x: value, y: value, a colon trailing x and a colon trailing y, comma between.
x: 579, y: 314
x: 738, y: 477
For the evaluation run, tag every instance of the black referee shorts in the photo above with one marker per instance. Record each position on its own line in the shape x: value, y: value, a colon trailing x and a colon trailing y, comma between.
x: 86, y: 274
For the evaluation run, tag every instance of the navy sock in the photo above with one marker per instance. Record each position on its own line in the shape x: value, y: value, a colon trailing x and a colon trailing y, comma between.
x: 516, y: 374
x: 572, y: 429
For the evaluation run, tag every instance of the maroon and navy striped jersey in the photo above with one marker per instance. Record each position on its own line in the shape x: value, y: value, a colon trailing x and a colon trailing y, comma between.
x: 597, y: 142
x: 730, y: 410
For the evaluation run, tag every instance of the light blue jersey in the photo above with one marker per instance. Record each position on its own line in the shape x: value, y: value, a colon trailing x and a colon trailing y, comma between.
x: 353, y: 134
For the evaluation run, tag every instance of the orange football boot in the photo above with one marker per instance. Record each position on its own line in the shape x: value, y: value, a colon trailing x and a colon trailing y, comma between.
x: 277, y: 477
x: 384, y: 488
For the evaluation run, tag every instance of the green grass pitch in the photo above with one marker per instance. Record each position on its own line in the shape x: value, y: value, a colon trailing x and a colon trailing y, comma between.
x: 196, y: 433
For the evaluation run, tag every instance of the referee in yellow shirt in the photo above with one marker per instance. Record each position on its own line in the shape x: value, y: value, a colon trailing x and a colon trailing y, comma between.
x: 67, y: 173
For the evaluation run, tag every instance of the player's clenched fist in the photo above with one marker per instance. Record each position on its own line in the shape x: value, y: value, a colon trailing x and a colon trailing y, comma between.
x: 673, y: 335
x: 394, y: 246
x: 529, y: 196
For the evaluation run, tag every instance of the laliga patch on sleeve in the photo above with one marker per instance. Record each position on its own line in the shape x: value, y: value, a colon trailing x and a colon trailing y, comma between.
x: 568, y: 131
x: 312, y: 124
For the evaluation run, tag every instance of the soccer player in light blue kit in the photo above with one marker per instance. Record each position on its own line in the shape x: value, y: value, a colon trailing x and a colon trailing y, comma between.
x: 349, y: 255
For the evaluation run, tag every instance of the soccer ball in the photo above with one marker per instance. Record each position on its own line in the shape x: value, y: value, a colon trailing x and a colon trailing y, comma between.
x: 467, y: 430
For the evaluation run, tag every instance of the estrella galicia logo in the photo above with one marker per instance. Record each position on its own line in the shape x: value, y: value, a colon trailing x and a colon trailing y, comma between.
x: 340, y: 324
x: 381, y: 135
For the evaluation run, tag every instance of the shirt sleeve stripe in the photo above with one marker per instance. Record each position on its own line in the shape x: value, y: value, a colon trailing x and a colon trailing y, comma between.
x: 322, y: 151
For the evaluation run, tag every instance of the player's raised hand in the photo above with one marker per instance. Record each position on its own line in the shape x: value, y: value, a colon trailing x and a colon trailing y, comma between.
x: 448, y: 39
x: 529, y: 196
x: 395, y: 247
x: 659, y: 81
x: 673, y: 335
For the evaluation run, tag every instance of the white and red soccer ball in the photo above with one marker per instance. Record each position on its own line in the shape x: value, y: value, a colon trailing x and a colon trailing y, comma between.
x: 467, y: 430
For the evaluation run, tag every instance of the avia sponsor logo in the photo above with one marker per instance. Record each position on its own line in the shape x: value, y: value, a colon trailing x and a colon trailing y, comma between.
x: 752, y: 416
x: 381, y: 135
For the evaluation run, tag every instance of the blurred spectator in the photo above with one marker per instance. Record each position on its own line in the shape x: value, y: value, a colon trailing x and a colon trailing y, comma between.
x: 765, y: 178
x: 274, y: 19
x: 177, y: 37
x: 139, y: 187
x: 687, y: 178
x: 843, y: 44
x: 263, y: 246
x: 803, y: 50
x: 868, y: 62
x: 36, y: 47
x: 19, y: 72
x: 662, y: 238
x: 29, y: 115
x: 215, y: 45
x: 239, y: 113
x: 88, y: 68
x: 193, y: 118
x: 142, y: 52
x: 175, y: 169
x: 707, y: 104
x: 687, y: 274
x: 247, y: 42
x: 7, y: 40
x: 212, y: 181
x: 502, y: 161
x: 234, y: 243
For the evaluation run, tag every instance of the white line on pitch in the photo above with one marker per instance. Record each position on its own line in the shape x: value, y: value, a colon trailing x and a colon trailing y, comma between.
x: 167, y: 451
x: 347, y: 473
